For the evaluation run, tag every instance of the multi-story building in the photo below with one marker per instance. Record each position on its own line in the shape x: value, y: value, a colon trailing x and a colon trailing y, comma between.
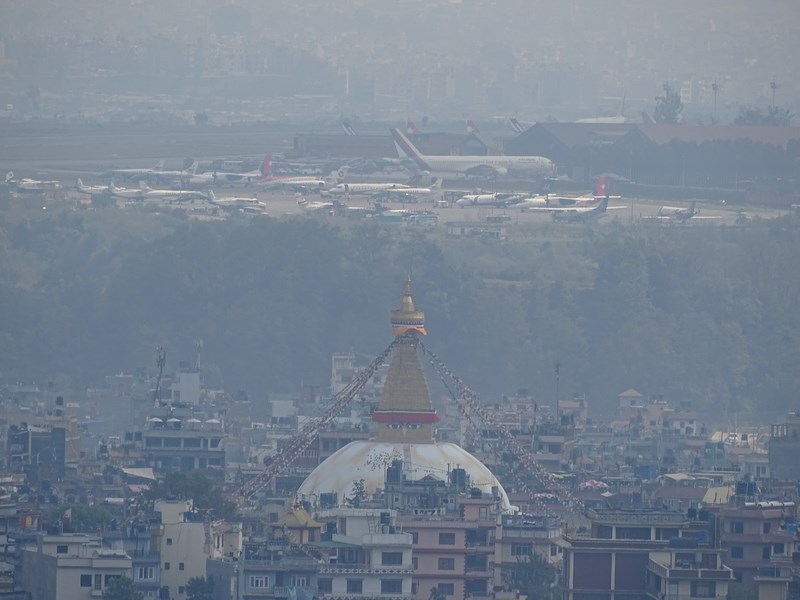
x: 184, y: 544
x: 67, y: 566
x: 519, y: 536
x: 371, y: 558
x: 687, y: 570
x: 757, y: 535
x: 174, y: 439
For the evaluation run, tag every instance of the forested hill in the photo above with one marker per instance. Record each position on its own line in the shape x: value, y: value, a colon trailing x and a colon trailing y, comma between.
x: 707, y: 314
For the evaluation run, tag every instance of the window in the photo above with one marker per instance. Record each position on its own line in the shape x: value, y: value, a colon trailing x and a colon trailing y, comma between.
x: 737, y: 552
x: 391, y: 586
x: 737, y: 527
x: 181, y: 566
x: 354, y: 586
x: 257, y: 582
x: 447, y: 564
x: 324, y: 586
x: 98, y: 583
x: 704, y: 589
x: 414, y: 562
x: 414, y: 537
x: 166, y: 566
x: 766, y: 527
x: 181, y: 589
x: 300, y: 581
x: 86, y: 581
x: 447, y: 589
x: 777, y: 548
x: 62, y: 549
x: 169, y: 541
x: 391, y: 558
x: 145, y: 573
x: 766, y: 552
x: 447, y: 539
x: 521, y: 549
x: 553, y: 550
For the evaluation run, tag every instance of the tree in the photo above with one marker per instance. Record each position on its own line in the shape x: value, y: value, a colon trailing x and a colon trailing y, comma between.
x: 200, y: 588
x: 121, y: 588
x: 437, y: 594
x: 775, y: 116
x: 668, y: 106
x: 534, y: 577
x: 359, y: 493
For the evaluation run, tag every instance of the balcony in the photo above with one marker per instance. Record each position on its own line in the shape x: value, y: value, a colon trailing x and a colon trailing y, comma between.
x: 690, y: 571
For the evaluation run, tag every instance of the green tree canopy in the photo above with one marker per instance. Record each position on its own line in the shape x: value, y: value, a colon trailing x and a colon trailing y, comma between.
x: 121, y: 588
x: 669, y: 106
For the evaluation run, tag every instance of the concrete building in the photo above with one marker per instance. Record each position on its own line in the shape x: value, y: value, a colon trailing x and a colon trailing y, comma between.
x: 67, y: 566
x: 184, y: 544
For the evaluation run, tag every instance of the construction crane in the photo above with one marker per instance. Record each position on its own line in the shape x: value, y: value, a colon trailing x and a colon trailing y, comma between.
x: 300, y: 442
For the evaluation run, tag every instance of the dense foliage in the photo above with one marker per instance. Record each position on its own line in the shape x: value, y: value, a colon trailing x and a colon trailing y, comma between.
x: 706, y: 314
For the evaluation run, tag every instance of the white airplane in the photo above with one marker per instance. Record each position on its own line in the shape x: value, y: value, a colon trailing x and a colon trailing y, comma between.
x: 539, y: 201
x: 237, y: 202
x: 492, y: 199
x: 577, y: 213
x: 135, y: 172
x: 434, y: 188
x: 226, y: 178
x: 31, y: 185
x: 149, y: 193
x: 519, y: 126
x: 680, y: 214
x: 499, y: 165
x: 313, y: 206
x: 347, y: 189
x: 306, y: 182
x: 93, y: 190
x: 600, y: 192
x: 127, y: 193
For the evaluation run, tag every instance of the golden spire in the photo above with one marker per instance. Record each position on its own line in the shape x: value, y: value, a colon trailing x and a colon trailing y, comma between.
x: 405, y: 413
x: 407, y: 318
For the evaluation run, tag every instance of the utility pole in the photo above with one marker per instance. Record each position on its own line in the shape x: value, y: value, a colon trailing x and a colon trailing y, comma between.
x: 715, y: 89
x: 773, y: 86
x: 557, y: 371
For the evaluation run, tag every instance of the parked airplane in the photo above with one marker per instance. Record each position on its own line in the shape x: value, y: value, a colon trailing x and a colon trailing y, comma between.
x: 540, y: 201
x: 299, y: 182
x: 600, y: 191
x: 252, y: 204
x: 500, y: 165
x: 227, y: 178
x: 680, y: 214
x: 31, y: 185
x: 133, y: 173
x: 127, y: 193
x: 347, y: 189
x: 348, y: 129
x: 93, y: 190
x: 580, y: 214
x: 149, y: 193
x: 492, y: 199
x: 394, y: 193
x: 313, y: 206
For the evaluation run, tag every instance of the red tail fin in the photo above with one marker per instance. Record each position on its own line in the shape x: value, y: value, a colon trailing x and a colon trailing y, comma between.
x: 410, y: 127
x: 600, y: 187
x: 266, y: 167
x: 471, y: 127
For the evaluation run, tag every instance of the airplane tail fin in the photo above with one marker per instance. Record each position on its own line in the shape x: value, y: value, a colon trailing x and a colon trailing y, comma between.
x: 79, y: 185
x: 9, y: 176
x: 266, y: 166
x: 600, y: 189
x: 159, y: 166
x: 410, y: 127
x: 340, y: 174
x: 407, y: 150
x: 192, y: 170
x: 437, y: 183
x: 472, y: 127
x: 603, y: 206
x: 516, y: 125
x: 211, y: 197
x: 348, y: 129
